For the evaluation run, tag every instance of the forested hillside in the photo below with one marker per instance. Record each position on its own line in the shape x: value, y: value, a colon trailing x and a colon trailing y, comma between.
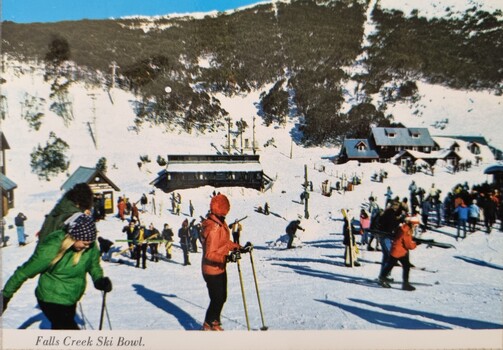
x: 297, y: 52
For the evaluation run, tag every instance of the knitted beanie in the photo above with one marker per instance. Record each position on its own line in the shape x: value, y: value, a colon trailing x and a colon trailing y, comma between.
x: 81, y: 227
x: 220, y: 205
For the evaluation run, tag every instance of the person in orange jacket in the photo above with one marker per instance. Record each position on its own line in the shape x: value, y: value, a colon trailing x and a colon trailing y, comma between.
x: 215, y: 238
x: 400, y: 252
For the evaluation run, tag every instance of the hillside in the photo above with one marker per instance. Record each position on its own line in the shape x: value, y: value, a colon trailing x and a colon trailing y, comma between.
x: 297, y: 53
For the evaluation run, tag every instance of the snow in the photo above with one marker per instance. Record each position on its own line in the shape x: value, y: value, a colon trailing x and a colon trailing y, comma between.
x: 307, y: 289
x: 301, y: 289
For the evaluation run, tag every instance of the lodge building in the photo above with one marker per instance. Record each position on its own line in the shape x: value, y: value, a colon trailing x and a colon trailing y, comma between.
x: 191, y: 171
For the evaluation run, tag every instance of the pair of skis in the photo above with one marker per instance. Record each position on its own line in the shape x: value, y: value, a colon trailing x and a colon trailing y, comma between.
x: 264, y: 327
x: 428, y: 242
x: 352, y: 246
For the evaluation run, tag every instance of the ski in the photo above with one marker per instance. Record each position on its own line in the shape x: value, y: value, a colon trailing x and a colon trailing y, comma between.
x: 351, y: 248
x: 389, y: 284
x: 429, y: 242
x: 420, y: 268
x: 432, y: 243
x: 423, y: 269
x: 142, y: 242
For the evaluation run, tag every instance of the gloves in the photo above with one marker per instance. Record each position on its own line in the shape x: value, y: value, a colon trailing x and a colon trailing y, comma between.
x: 103, y: 284
x: 5, y: 301
x: 247, y: 248
x: 234, y: 256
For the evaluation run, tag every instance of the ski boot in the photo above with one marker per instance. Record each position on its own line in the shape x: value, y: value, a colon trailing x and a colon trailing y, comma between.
x: 408, y: 286
x: 383, y: 282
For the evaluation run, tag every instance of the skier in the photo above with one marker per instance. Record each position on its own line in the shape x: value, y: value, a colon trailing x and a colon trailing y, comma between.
x: 400, y: 252
x: 194, y: 230
x: 131, y: 231
x: 167, y: 236
x: 412, y: 192
x: 144, y: 202
x: 489, y: 207
x: 62, y: 260
x: 448, y: 208
x: 216, y: 247
x: 191, y: 209
x: 141, y: 247
x: 153, y: 234
x: 462, y: 214
x: 388, y: 223
x: 19, y: 222
x: 184, y: 235
x: 349, y: 242
x: 291, y: 229
x: 135, y: 213
x: 374, y: 211
x: 388, y: 196
x: 121, y: 208
x: 266, y: 208
x: 79, y: 199
x: 365, y: 225
x: 236, y: 229
x: 105, y: 248
x: 473, y: 215
x: 425, y: 214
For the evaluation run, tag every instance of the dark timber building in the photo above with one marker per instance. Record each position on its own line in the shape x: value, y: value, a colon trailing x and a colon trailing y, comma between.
x: 190, y: 171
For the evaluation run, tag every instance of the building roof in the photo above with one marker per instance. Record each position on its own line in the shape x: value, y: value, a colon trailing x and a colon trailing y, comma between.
x: 213, y: 166
x: 3, y: 142
x: 85, y: 175
x: 419, y: 137
x: 6, y: 184
x: 353, y: 151
x: 478, y: 139
x: 442, y: 154
x: 494, y: 169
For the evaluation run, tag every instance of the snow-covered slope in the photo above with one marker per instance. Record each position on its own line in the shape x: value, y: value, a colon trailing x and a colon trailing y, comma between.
x: 301, y: 289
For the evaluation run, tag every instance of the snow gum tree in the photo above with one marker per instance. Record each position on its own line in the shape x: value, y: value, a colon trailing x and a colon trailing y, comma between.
x: 50, y: 160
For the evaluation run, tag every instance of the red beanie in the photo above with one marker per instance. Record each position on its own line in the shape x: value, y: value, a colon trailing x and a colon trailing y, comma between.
x: 220, y: 205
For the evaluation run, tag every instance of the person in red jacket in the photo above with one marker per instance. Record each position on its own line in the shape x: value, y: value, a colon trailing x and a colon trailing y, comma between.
x: 215, y: 238
x: 400, y: 252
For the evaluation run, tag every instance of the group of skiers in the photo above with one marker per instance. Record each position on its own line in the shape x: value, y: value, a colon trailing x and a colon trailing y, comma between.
x: 69, y: 248
x: 395, y: 227
x: 142, y: 240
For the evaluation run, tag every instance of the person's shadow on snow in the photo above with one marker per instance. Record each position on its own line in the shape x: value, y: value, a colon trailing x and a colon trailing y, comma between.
x: 44, y: 322
x: 160, y: 300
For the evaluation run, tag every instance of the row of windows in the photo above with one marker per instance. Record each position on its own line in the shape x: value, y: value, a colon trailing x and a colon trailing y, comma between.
x: 214, y: 176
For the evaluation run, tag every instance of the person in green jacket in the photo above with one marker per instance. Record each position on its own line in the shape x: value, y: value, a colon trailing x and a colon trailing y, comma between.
x: 62, y: 260
x: 79, y: 199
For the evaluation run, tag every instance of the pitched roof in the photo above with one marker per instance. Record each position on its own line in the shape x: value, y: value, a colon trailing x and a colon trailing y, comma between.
x: 3, y: 142
x: 6, y: 184
x: 85, y: 175
x: 402, y: 137
x: 355, y: 152
x: 442, y: 154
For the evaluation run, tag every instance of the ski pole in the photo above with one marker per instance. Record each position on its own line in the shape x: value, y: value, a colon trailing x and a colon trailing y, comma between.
x: 243, y: 293
x: 103, y: 306
x: 108, y: 318
x: 264, y: 327
x: 83, y: 316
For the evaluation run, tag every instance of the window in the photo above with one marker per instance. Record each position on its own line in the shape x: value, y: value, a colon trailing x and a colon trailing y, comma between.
x: 361, y: 146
